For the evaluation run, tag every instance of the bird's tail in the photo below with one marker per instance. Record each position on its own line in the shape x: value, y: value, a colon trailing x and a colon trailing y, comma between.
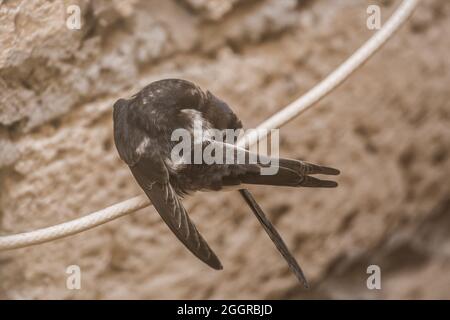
x: 293, y: 173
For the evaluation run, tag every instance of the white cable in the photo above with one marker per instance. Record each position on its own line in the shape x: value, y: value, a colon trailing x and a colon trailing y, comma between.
x: 339, y: 75
x: 118, y: 210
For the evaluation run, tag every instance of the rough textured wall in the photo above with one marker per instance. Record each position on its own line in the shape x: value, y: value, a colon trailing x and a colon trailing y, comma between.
x: 387, y: 129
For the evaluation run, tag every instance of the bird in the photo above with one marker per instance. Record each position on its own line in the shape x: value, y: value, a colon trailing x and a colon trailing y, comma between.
x: 143, y: 127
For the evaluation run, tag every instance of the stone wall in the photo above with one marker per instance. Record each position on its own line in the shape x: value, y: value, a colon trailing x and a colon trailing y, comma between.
x: 387, y: 128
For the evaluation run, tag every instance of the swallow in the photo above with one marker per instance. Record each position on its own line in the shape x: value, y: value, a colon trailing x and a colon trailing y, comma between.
x: 143, y: 127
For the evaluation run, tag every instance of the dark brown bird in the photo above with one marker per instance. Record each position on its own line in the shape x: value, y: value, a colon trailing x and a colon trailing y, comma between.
x: 143, y: 128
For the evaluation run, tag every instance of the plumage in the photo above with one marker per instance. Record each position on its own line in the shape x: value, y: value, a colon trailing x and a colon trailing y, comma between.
x: 143, y: 128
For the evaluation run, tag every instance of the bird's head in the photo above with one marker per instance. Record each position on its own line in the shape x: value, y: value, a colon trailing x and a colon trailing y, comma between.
x: 159, y: 104
x: 169, y: 96
x: 214, y: 103
x: 162, y: 104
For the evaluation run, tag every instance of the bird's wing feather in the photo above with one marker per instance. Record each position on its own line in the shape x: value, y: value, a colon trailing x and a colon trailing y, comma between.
x: 127, y: 137
x: 171, y: 210
x: 290, y: 172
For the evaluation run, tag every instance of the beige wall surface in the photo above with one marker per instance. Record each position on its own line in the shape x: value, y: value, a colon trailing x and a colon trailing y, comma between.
x: 387, y: 129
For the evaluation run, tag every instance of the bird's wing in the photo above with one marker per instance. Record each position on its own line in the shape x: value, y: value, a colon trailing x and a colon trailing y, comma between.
x: 171, y: 210
x: 275, y: 237
x: 289, y: 172
x: 127, y: 137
